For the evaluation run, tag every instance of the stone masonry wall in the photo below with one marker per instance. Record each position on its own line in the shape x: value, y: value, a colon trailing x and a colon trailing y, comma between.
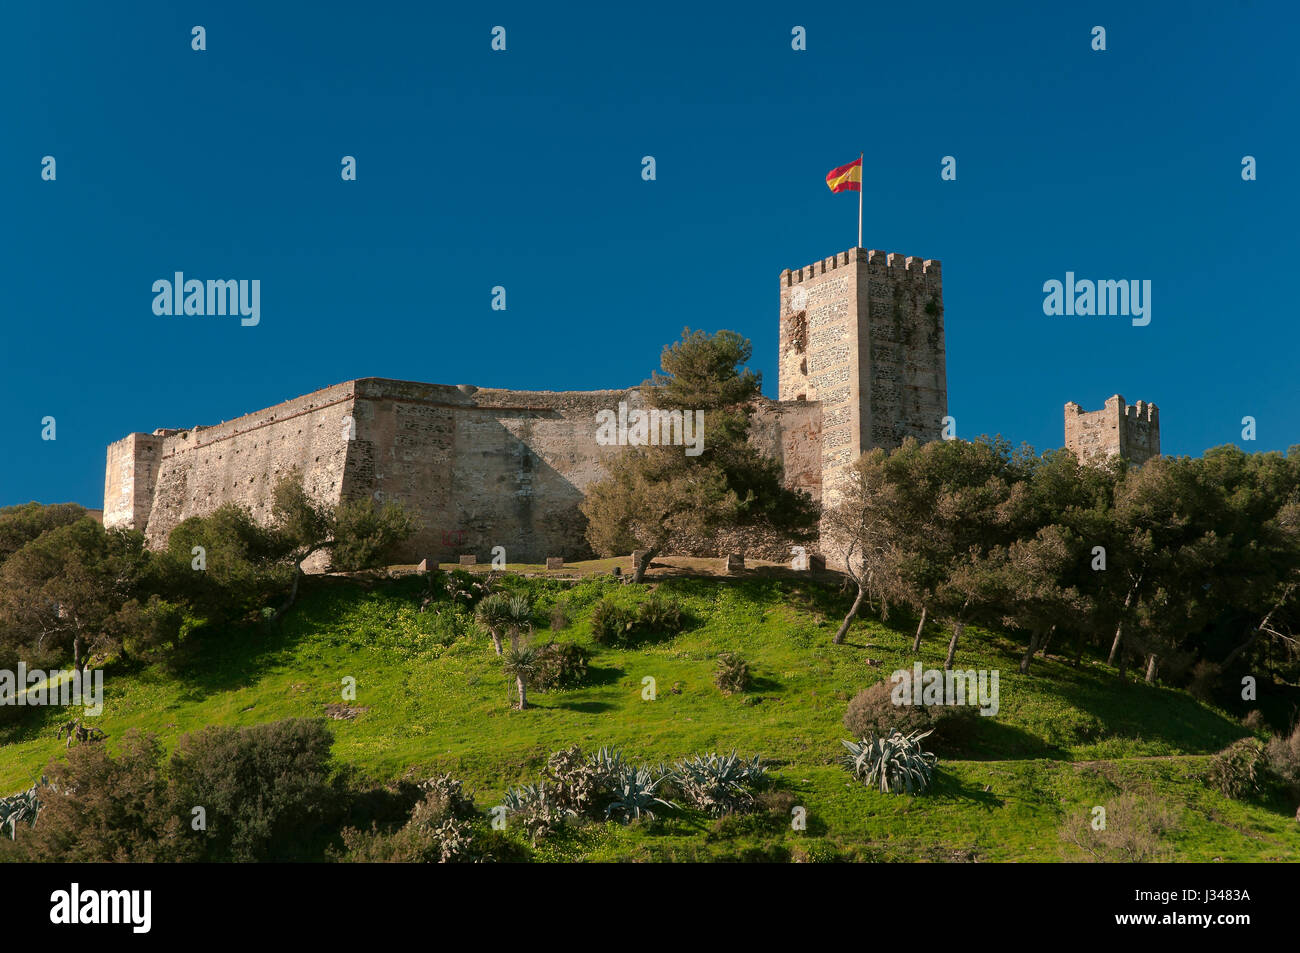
x: 908, y: 390
x: 130, y: 476
x: 862, y: 333
x: 1118, y: 429
x: 479, y: 467
x: 241, y: 460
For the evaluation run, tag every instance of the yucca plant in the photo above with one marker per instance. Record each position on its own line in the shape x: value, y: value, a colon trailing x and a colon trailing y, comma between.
x: 519, y: 617
x: 634, y: 795
x: 521, y: 665
x: 892, y: 764
x: 494, y: 614
x: 720, y: 784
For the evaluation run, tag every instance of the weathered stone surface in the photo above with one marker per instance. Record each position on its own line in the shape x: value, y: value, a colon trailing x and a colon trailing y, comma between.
x: 861, y: 334
x: 861, y: 365
x: 424, y: 566
x: 469, y: 560
x: 554, y: 562
x: 734, y: 563
x: 1131, y: 431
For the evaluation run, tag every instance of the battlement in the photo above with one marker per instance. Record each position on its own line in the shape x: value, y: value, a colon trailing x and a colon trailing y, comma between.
x: 1119, y: 429
x: 889, y: 264
x: 1142, y: 411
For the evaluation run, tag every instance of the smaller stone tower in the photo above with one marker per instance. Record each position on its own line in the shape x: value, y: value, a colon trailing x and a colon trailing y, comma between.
x: 1118, y: 430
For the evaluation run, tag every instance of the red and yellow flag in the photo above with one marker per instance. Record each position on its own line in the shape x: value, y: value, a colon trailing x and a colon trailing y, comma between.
x: 847, y: 178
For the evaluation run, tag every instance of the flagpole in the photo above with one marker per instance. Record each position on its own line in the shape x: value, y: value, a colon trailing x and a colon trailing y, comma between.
x: 860, y: 184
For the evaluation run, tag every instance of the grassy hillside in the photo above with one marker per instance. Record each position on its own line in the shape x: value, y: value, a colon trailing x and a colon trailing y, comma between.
x: 1064, y: 740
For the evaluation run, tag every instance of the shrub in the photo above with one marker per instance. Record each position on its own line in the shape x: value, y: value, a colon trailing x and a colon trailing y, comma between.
x: 1236, y: 770
x: 873, y: 712
x: 612, y: 623
x: 101, y: 809
x: 892, y: 764
x: 658, y: 613
x: 266, y: 788
x: 720, y: 785
x: 731, y: 674
x: 561, y: 615
x: 438, y: 831
x: 463, y: 588
x: 1204, y: 679
x: 1253, y: 720
x: 448, y: 795
x: 537, y: 809
x: 1283, y: 753
x: 560, y: 665
x: 1134, y: 832
x: 576, y: 780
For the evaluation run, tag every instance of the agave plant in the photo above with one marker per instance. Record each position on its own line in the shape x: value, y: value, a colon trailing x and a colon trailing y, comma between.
x: 892, y: 764
x: 608, y: 764
x: 20, y: 808
x: 537, y: 807
x: 720, y: 784
x: 634, y: 795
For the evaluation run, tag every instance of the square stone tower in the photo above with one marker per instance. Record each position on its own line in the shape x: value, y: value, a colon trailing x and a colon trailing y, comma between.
x: 862, y: 332
x: 1117, y: 430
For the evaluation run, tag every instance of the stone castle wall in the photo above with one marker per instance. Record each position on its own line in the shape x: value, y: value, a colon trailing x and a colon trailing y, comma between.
x: 861, y: 365
x: 862, y: 333
x: 478, y: 467
x: 1131, y: 431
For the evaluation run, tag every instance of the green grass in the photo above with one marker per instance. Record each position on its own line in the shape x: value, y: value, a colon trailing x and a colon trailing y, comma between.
x: 1064, y: 740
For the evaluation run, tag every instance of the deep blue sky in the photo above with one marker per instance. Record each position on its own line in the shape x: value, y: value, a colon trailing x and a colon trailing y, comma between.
x: 522, y: 169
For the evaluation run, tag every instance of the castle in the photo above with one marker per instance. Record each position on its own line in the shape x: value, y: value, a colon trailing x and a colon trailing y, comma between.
x: 861, y: 365
x: 1130, y: 431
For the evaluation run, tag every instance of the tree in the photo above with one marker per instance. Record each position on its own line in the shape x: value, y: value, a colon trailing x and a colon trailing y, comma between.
x: 919, y: 521
x: 62, y: 592
x: 521, y: 664
x: 656, y: 498
x: 358, y: 534
x: 19, y: 525
x: 98, y: 808
x: 865, y: 527
x: 494, y: 613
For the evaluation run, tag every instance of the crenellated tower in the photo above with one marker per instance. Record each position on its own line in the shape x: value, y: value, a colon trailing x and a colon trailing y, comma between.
x: 862, y: 333
x: 1131, y: 431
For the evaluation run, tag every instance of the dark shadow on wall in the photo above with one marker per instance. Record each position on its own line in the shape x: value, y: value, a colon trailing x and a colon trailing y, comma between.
x: 476, y: 480
x: 507, y: 494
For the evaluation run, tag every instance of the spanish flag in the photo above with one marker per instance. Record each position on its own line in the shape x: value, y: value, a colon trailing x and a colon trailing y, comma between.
x: 847, y: 178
